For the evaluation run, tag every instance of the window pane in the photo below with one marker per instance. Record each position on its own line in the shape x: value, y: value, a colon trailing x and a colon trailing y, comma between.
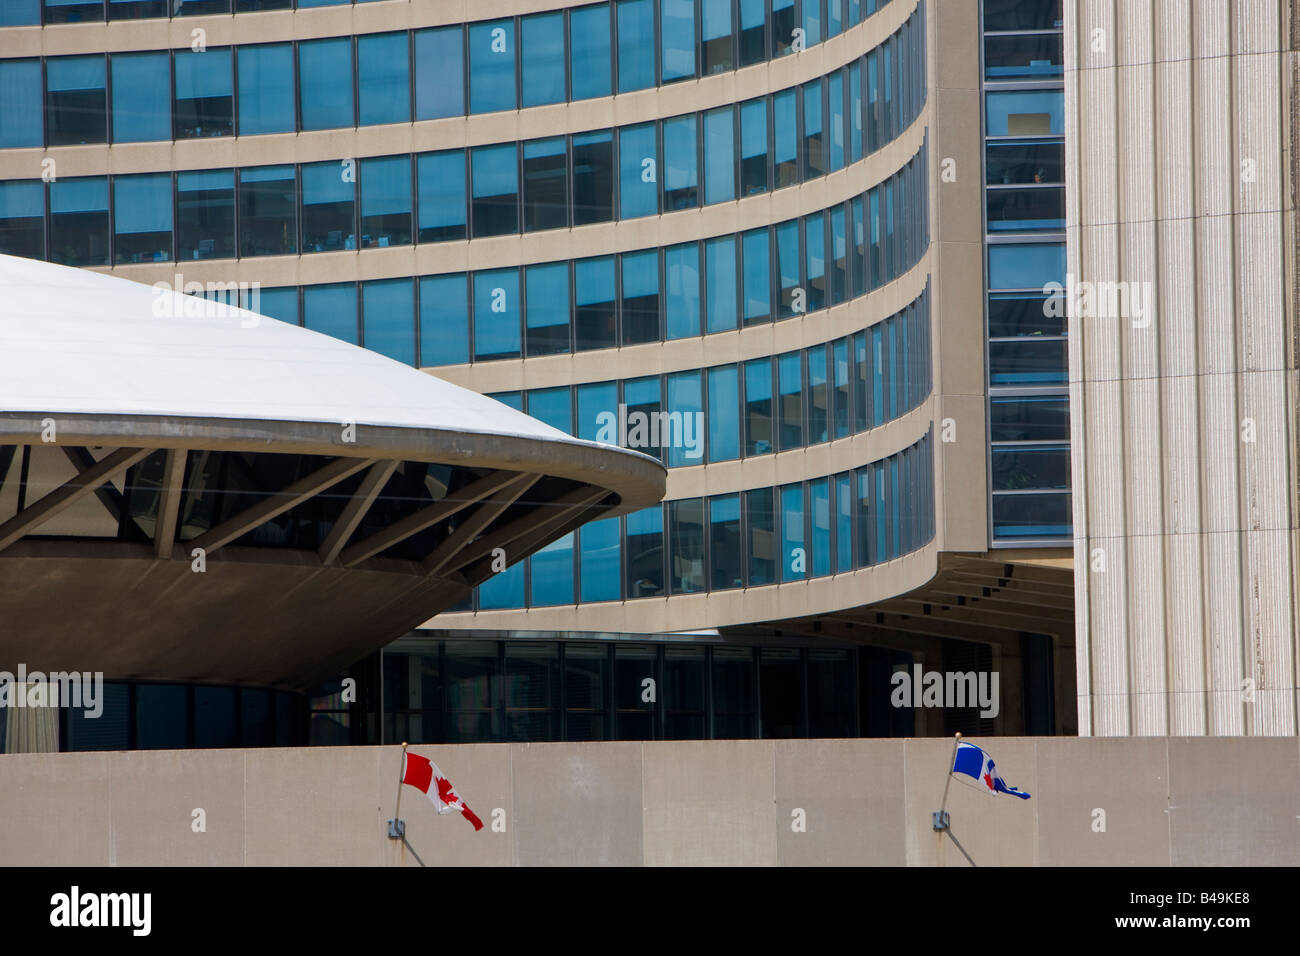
x: 812, y: 29
x: 753, y: 23
x: 686, y: 534
x: 439, y: 73
x: 794, y: 557
x: 753, y: 147
x: 815, y: 266
x: 840, y: 369
x: 1025, y: 113
x: 1026, y: 265
x: 328, y: 201
x: 595, y: 305
x: 441, y: 178
x: 20, y: 120
x: 715, y: 35
x: 76, y: 107
x: 1032, y: 516
x: 724, y: 547
x: 548, y: 308
x: 205, y: 211
x: 790, y: 375
x: 787, y: 259
x: 719, y: 155
x: 543, y: 59
x: 265, y: 89
x: 758, y: 407
x: 505, y: 589
x: 1029, y: 418
x: 281, y: 304
x: 388, y: 317
x: 1015, y: 314
x: 491, y: 66
x: 1024, y: 467
x: 685, y: 423
x: 586, y: 690
x: 1023, y: 57
x: 17, y: 13
x: 835, y: 120
x: 843, y: 523
x: 599, y: 558
x: 162, y: 716
x: 814, y: 143
x: 496, y: 314
x: 724, y: 420
x: 589, y: 51
x: 644, y: 401
x: 552, y: 573
x: 141, y: 106
x: 1025, y: 161
x: 1023, y: 15
x: 552, y: 406
x: 817, y: 395
x: 645, y: 553
x: 681, y: 176
x: 684, y: 701
x: 444, y: 320
x: 473, y: 687
x: 593, y: 177
x: 331, y: 310
x: 634, y: 716
x: 759, y: 517
x: 638, y: 189
x: 496, y: 190
x: 386, y: 202
x: 839, y: 262
x: 758, y: 277
x: 640, y: 297
x: 682, y: 290
x: 22, y: 219
x: 384, y: 78
x: 783, y: 26
x: 1026, y: 209
x: 820, y: 504
x: 636, y: 51
x: 325, y: 83
x: 142, y: 218
x: 546, y: 173
x: 720, y: 269
x: 677, y: 39
x: 855, y: 111
x: 204, y: 94
x: 597, y: 408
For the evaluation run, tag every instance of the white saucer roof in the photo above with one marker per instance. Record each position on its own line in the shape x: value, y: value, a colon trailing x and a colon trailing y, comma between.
x: 73, y: 341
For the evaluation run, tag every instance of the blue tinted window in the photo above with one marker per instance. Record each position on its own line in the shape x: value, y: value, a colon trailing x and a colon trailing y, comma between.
x: 1026, y: 265
x: 789, y: 373
x: 715, y: 37
x: 542, y: 47
x: 547, y: 287
x: 142, y: 218
x: 812, y: 23
x: 552, y: 573
x: 785, y: 130
x: 593, y: 177
x: 79, y: 221
x: 814, y: 140
x: 682, y: 290
x: 794, y: 556
x: 843, y: 523
x: 835, y: 126
x: 76, y: 108
x: 281, y: 304
x: 505, y: 589
x: 599, y: 560
x: 265, y: 89
x: 20, y: 120
x: 753, y: 147
x: 1026, y: 113
x: 325, y: 83
x: 205, y: 214
x: 685, y: 420
x: 496, y: 190
x: 595, y: 308
x: 589, y: 51
x: 328, y: 206
x: 384, y: 79
x: 444, y: 320
x: 645, y: 552
x: 834, y: 17
x: 725, y: 533
x: 441, y: 177
x: 644, y: 400
x: 546, y: 171
x: 496, y: 314
x: 820, y: 511
x: 681, y: 168
x: 597, y: 405
x: 73, y: 11
x: 817, y: 395
x: 719, y: 155
x: 724, y: 413
x: 386, y: 201
x: 636, y: 48
x: 17, y: 13
x: 491, y: 66
x: 855, y: 111
x: 640, y: 297
x: 142, y: 110
x: 22, y: 219
x: 552, y: 406
x: 332, y: 310
x: 677, y: 39
x: 787, y: 260
x: 720, y: 278
x: 815, y: 266
x: 439, y: 73
x: 388, y: 318
x: 759, y: 439
x: 638, y: 163
x: 783, y: 27
x: 758, y: 276
x: 205, y: 104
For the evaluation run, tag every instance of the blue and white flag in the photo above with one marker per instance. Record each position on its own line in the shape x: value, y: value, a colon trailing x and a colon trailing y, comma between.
x: 973, y: 762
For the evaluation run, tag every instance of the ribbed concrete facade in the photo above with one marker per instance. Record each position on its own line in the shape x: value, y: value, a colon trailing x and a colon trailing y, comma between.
x: 1184, y: 409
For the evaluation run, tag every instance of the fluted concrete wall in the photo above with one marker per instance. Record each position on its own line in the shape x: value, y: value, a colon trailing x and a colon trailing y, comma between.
x: 1178, y: 124
x: 1151, y: 801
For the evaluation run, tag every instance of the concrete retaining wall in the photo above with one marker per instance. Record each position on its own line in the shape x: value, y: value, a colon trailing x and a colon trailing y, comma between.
x: 1180, y: 801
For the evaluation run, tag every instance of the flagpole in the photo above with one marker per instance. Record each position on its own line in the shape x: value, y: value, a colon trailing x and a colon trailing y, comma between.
x: 941, y: 822
x: 396, y: 828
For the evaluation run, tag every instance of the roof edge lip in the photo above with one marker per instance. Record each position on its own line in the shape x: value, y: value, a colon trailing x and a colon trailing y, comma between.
x: 639, y: 479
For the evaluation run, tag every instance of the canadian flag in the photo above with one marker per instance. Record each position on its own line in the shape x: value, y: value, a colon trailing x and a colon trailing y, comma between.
x: 423, y: 774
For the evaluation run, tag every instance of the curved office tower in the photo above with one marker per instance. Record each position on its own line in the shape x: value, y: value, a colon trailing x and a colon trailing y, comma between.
x: 744, y: 237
